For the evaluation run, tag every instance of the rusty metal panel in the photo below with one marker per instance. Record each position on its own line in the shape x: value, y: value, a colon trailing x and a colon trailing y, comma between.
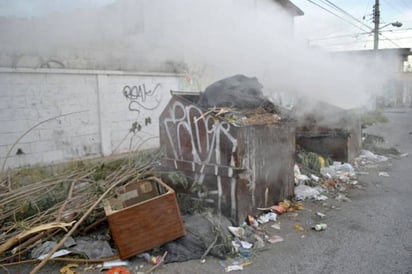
x: 242, y: 167
x: 328, y: 130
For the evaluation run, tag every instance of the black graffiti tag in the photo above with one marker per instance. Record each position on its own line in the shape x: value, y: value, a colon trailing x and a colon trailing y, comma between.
x: 139, y: 97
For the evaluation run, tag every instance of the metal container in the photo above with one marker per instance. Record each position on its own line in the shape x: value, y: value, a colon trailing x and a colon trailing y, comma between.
x: 242, y: 167
x: 328, y: 130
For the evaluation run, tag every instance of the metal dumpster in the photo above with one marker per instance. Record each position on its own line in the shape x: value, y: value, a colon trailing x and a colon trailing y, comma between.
x: 243, y: 166
x: 328, y: 130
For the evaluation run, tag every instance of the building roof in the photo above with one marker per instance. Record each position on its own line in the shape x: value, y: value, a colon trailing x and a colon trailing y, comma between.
x: 288, y: 5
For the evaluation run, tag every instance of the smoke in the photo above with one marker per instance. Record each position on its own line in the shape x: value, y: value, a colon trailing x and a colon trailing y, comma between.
x: 209, y: 39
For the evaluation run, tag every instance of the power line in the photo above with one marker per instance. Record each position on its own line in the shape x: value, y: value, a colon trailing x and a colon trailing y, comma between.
x: 406, y: 4
x: 346, y: 13
x: 331, y: 12
x: 392, y: 6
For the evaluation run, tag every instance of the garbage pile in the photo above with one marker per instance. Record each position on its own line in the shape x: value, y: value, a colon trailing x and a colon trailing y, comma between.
x: 46, y: 214
x: 317, y: 177
x: 239, y: 100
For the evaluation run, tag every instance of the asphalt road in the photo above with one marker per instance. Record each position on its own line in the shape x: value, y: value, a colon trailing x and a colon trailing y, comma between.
x: 372, y: 233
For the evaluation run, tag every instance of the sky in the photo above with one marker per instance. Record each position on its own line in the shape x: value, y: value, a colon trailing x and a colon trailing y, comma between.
x: 321, y: 28
x: 318, y: 27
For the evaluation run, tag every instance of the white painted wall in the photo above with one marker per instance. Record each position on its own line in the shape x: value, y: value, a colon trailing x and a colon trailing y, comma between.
x: 77, y: 113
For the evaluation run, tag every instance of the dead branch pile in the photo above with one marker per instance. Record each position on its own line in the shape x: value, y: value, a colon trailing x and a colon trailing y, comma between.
x: 34, y: 211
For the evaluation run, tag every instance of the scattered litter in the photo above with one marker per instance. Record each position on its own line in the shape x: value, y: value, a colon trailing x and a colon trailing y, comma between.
x: 342, y: 197
x: 278, y: 209
x: 233, y: 268
x: 93, y: 249
x: 118, y: 270
x: 270, y: 216
x: 298, y: 227
x: 275, y: 239
x: 383, y: 174
x: 314, y: 177
x: 110, y: 264
x: 43, y: 249
x: 60, y: 253
x: 303, y: 192
x: 235, y: 264
x: 67, y: 269
x: 276, y: 226
x: 320, y: 214
x: 368, y: 157
x: 250, y: 220
x: 237, y: 231
x: 246, y: 245
x: 321, y: 198
x: 245, y: 252
x: 259, y: 243
x: 404, y: 155
x: 320, y: 227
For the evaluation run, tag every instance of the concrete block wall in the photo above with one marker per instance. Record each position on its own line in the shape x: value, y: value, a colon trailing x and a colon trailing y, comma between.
x: 62, y: 115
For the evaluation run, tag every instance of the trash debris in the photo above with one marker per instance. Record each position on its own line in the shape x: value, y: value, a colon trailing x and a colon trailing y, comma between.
x: 264, y: 218
x: 303, y: 192
x: 251, y: 220
x: 246, y: 245
x: 60, y: 253
x: 275, y: 239
x: 367, y: 157
x: 235, y: 264
x: 206, y: 234
x: 93, y: 249
x: 298, y: 227
x: 320, y: 214
x: 67, y: 269
x: 321, y: 198
x: 383, y: 174
x: 237, y: 231
x: 110, y: 264
x: 342, y: 197
x: 276, y: 226
x: 320, y: 227
x: 118, y: 270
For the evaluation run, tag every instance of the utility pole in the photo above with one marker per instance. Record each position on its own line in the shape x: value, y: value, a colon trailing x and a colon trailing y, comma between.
x: 376, y: 21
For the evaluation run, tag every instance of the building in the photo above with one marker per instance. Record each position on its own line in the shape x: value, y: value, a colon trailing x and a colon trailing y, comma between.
x: 91, y: 83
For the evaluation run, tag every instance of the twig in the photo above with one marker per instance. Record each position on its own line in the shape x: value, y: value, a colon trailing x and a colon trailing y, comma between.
x: 209, y: 248
x: 73, y: 229
x: 69, y: 196
x: 74, y: 260
x: 5, y: 268
x: 153, y: 268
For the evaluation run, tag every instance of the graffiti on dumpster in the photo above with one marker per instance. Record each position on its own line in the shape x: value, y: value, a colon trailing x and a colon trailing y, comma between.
x: 142, y: 98
x: 207, y: 137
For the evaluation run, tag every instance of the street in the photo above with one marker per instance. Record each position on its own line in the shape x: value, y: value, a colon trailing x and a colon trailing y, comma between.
x: 369, y: 234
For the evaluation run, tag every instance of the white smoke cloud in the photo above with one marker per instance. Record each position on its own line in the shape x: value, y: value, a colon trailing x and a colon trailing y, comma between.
x: 218, y: 38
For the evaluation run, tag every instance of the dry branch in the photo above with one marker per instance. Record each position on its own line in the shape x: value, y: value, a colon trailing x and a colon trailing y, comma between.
x: 23, y: 235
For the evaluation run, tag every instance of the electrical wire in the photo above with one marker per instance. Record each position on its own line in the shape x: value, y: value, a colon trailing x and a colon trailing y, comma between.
x: 331, y: 4
x: 338, y: 16
x: 393, y: 7
x: 406, y: 4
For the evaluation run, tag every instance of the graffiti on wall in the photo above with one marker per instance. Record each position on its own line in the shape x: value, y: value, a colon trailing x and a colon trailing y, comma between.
x: 140, y: 99
x: 206, y: 137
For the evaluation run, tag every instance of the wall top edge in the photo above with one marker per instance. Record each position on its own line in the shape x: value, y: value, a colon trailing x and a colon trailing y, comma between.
x: 88, y: 72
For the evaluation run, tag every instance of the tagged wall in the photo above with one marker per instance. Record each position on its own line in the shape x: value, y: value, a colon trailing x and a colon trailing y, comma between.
x: 60, y: 115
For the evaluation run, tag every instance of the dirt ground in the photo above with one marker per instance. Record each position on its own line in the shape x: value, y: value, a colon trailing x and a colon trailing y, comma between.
x: 370, y: 233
